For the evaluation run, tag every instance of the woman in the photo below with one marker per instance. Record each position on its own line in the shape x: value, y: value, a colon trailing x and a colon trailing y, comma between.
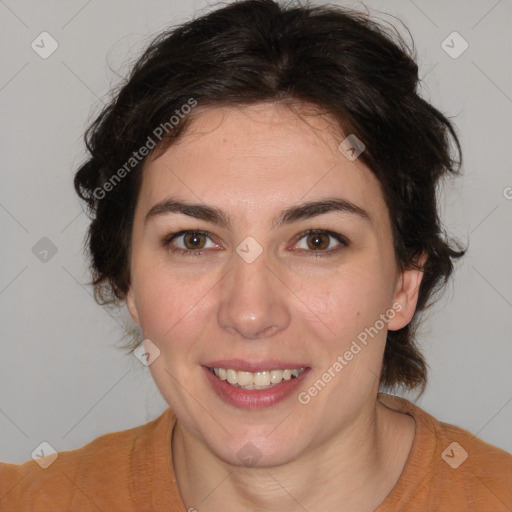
x: 263, y: 198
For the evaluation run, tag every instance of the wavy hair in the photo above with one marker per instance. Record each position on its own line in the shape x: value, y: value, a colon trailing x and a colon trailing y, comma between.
x: 358, y: 70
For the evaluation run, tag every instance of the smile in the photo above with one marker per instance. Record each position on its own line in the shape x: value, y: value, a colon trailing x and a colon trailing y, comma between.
x: 256, y: 380
x: 255, y: 389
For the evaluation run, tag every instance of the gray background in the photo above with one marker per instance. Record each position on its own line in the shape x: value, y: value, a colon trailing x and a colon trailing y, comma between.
x: 62, y: 379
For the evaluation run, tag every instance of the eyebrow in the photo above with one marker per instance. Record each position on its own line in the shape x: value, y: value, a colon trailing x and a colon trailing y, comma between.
x: 291, y: 214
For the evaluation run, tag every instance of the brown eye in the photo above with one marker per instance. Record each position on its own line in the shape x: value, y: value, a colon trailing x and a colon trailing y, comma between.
x: 188, y: 243
x: 317, y: 241
x: 194, y: 240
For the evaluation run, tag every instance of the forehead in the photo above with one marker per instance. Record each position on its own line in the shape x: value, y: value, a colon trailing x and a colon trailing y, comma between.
x: 266, y: 131
x: 259, y: 158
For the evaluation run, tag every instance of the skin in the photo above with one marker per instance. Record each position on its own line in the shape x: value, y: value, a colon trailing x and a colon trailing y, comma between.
x: 343, y: 447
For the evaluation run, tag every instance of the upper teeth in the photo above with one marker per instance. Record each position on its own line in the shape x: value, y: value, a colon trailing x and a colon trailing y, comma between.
x: 256, y: 380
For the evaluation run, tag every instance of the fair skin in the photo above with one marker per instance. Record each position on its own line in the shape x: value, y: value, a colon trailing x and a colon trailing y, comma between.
x: 289, y: 304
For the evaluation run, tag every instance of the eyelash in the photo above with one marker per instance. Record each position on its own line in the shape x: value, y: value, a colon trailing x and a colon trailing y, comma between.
x: 166, y: 242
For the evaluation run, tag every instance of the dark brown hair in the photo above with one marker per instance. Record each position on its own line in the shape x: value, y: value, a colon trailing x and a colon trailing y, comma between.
x: 357, y: 70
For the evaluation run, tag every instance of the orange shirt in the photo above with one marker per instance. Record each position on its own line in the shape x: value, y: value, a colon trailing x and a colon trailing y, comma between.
x: 448, y: 470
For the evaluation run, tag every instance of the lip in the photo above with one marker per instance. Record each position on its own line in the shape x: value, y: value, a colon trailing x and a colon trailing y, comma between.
x: 245, y: 366
x: 253, y: 398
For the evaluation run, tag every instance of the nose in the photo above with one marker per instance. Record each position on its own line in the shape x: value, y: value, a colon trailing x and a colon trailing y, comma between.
x: 253, y: 300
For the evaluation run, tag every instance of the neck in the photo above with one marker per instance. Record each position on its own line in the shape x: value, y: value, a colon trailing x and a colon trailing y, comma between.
x: 357, y: 468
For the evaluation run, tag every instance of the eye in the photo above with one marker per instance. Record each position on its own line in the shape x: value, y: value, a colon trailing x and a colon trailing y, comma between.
x: 191, y: 242
x: 317, y: 241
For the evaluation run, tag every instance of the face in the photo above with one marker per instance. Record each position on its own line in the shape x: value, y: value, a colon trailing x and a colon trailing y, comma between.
x: 258, y: 247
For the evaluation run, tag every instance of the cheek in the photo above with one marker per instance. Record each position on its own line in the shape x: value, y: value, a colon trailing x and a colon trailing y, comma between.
x: 348, y: 301
x: 171, y: 308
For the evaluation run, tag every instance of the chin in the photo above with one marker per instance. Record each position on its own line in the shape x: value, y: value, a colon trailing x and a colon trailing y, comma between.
x: 257, y: 447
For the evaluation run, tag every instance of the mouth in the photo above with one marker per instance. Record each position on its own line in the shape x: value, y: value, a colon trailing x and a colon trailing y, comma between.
x: 265, y: 379
x: 254, y: 386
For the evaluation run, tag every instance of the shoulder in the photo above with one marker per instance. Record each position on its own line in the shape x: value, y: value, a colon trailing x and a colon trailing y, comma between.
x: 86, y: 476
x: 449, y: 468
x: 472, y: 460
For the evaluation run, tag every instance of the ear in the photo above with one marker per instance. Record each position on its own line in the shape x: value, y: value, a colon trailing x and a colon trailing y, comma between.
x: 130, y: 304
x: 406, y: 295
